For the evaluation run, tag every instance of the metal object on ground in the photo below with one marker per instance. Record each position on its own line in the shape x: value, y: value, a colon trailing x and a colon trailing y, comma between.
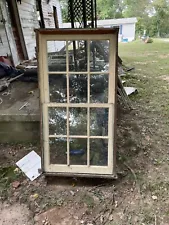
x: 24, y: 105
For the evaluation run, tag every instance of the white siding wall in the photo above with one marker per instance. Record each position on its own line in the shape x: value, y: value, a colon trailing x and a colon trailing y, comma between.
x: 128, y: 31
x: 29, y: 21
x: 49, y: 20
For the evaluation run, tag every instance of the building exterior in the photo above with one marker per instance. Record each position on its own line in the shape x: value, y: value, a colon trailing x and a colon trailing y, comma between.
x: 126, y: 27
x: 18, y: 19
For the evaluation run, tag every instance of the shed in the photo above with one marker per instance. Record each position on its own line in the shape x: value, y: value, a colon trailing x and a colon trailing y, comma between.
x: 126, y: 27
x: 18, y: 19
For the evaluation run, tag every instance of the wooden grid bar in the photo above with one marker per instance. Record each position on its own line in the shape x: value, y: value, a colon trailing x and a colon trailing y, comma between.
x: 88, y: 100
x: 76, y: 72
x: 78, y: 136
x: 67, y: 108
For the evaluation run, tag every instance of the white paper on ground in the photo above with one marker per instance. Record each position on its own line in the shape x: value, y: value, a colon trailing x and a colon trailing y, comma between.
x: 30, y: 165
x: 130, y: 90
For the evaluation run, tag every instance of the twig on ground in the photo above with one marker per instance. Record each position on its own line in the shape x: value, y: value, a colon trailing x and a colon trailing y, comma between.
x: 132, y: 171
x: 134, y: 175
x: 110, y: 212
x: 100, y: 185
x: 155, y: 220
x: 103, y: 210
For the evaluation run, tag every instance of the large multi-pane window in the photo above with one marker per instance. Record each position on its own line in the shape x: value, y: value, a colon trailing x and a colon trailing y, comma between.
x: 77, y: 72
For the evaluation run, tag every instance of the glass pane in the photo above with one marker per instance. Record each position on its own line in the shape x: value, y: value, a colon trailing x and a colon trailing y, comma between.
x: 56, y: 55
x: 58, y: 150
x: 78, y: 121
x: 99, y: 88
x: 57, y: 121
x: 78, y: 151
x: 99, y: 152
x: 58, y: 88
x: 78, y: 88
x: 99, y: 55
x: 77, y: 55
x: 99, y: 121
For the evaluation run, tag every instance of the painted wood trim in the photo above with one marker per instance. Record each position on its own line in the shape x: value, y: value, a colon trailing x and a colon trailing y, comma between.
x: 66, y: 31
x: 70, y: 168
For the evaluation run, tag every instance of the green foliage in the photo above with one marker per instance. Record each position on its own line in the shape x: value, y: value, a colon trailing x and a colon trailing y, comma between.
x: 108, y: 9
x: 152, y: 14
x: 64, y: 7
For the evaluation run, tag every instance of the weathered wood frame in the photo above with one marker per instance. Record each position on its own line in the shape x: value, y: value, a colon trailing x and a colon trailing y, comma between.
x: 9, y: 33
x: 44, y: 35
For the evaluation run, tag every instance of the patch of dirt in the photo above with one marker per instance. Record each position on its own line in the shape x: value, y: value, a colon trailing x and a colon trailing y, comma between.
x: 61, y: 216
x: 164, y: 56
x: 139, y: 196
x: 11, y: 153
x: 15, y: 215
x: 165, y: 77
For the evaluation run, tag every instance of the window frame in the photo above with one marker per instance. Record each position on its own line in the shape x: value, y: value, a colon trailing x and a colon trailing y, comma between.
x: 44, y: 35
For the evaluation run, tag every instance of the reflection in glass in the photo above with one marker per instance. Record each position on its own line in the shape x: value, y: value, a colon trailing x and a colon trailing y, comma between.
x: 99, y: 88
x: 78, y: 88
x: 58, y: 150
x: 57, y: 121
x: 78, y: 121
x: 58, y: 88
x: 99, y: 121
x: 56, y: 55
x: 99, y: 152
x: 99, y: 55
x: 78, y: 151
x: 77, y: 55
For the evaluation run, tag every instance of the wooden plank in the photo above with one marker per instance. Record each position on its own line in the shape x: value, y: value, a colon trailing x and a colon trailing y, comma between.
x: 30, y: 2
x: 9, y: 33
x: 28, y: 25
x: 26, y: 14
x: 29, y: 22
x: 26, y: 7
x: 78, y: 31
x: 102, y: 176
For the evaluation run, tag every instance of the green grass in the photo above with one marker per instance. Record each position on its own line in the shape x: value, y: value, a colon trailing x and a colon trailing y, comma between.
x: 151, y: 62
x: 151, y: 116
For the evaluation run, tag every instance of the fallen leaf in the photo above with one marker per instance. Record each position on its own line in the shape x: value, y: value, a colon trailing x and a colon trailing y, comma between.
x: 101, y: 218
x: 72, y: 193
x: 34, y: 196
x: 154, y: 197
x: 147, y: 138
x: 116, y: 204
x: 16, y: 184
x: 16, y: 170
x: 76, y: 217
x: 31, y: 92
x: 111, y: 217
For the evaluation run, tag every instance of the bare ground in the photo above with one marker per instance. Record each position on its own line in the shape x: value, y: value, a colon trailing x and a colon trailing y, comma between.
x: 139, y: 196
